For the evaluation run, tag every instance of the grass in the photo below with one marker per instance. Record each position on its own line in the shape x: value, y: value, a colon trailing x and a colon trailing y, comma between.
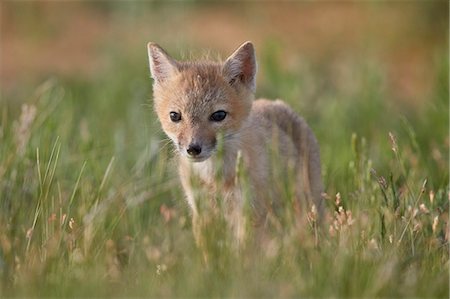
x: 91, y: 206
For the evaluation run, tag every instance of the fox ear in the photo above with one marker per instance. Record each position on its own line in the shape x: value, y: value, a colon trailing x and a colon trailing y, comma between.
x: 162, y: 66
x: 241, y: 66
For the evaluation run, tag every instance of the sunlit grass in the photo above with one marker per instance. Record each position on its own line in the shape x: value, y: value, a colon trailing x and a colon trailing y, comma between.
x: 90, y: 203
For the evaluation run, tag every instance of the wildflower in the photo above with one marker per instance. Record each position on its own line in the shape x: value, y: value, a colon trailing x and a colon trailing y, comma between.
x: 373, y: 245
x: 23, y: 128
x: 349, y: 217
x: 338, y: 198
x: 412, y: 211
x: 342, y: 219
x: 71, y: 223
x: 393, y: 142
x: 29, y: 233
x: 424, y: 209
x: 312, y: 215
x: 382, y: 182
x: 63, y: 218
x: 160, y: 269
x: 325, y: 195
x: 435, y: 224
x: 431, y: 194
x: 167, y: 213
x: 417, y: 226
x: 422, y: 190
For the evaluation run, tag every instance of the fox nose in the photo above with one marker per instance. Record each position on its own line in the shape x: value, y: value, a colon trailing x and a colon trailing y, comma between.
x: 194, y: 150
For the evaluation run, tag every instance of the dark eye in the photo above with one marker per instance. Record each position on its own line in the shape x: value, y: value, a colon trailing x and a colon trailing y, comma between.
x: 175, y: 117
x: 218, y: 115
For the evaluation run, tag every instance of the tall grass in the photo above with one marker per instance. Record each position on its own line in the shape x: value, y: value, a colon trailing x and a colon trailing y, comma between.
x: 90, y: 204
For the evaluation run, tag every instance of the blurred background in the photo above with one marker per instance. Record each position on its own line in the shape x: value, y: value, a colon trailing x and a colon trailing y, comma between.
x: 90, y: 202
x: 85, y: 40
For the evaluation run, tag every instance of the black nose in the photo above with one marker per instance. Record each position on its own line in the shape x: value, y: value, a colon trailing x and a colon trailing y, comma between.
x: 194, y: 150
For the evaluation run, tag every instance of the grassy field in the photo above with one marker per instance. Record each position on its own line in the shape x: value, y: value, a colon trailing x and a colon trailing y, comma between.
x: 90, y: 203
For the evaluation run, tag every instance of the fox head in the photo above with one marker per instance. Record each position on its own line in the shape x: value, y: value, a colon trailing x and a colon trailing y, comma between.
x: 196, y: 102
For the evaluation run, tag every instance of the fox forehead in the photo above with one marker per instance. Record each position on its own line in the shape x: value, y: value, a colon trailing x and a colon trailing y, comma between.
x: 196, y: 89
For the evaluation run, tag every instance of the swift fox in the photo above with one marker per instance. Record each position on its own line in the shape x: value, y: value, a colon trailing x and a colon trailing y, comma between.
x: 208, y: 110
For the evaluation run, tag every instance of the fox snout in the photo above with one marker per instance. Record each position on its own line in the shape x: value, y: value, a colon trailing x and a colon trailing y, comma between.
x: 196, y: 152
x: 197, y: 149
x: 194, y: 149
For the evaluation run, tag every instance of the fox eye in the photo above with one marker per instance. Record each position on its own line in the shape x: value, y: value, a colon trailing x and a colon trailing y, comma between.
x: 175, y: 116
x: 218, y: 115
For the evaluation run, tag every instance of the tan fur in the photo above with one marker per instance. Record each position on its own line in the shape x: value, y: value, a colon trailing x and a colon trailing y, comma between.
x: 259, y: 131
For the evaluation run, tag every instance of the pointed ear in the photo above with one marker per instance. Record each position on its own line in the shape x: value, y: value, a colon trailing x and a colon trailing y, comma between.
x: 162, y: 66
x: 241, y: 66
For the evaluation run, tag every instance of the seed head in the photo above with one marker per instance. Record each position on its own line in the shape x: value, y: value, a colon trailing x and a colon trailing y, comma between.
x: 393, y: 142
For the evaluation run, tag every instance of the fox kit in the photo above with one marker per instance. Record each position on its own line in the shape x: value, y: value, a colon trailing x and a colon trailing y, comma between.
x: 208, y: 110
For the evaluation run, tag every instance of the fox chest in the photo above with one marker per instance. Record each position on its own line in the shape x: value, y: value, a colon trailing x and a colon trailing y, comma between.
x: 213, y: 176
